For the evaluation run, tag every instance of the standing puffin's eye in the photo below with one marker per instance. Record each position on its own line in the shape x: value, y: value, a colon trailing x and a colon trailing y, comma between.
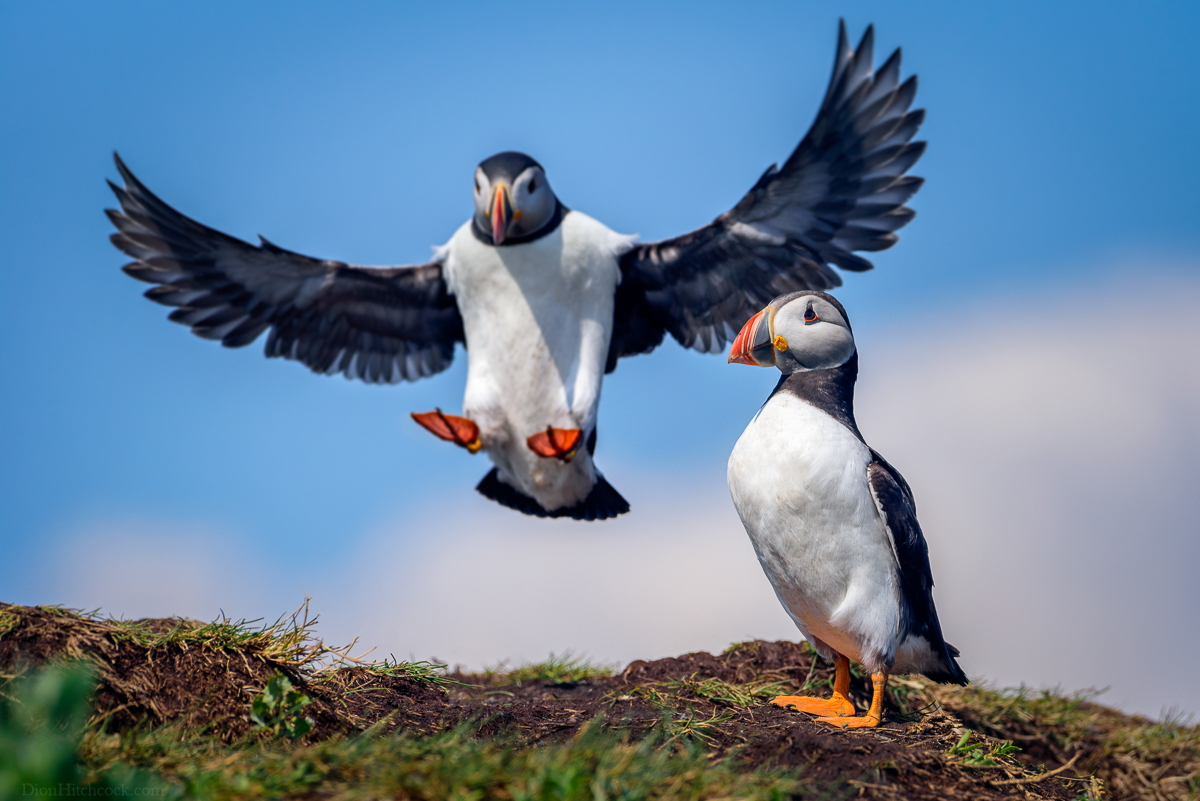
x: 477, y: 189
x: 532, y: 185
x: 810, y: 316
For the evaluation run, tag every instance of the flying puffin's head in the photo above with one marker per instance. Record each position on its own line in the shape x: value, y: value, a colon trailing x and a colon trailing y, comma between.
x: 513, y: 199
x: 796, y: 332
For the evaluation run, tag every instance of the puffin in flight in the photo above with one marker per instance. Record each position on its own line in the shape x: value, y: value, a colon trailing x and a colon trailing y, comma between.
x: 546, y: 299
x: 833, y: 524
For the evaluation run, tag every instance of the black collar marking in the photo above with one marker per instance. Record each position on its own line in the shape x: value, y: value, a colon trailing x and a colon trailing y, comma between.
x: 830, y: 390
x: 555, y: 220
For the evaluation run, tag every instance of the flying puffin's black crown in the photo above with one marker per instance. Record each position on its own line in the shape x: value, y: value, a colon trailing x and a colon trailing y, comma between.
x: 509, y: 164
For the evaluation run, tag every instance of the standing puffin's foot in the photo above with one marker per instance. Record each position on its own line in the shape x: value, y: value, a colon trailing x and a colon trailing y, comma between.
x: 557, y: 443
x: 836, y: 707
x: 874, y: 714
x: 451, y: 427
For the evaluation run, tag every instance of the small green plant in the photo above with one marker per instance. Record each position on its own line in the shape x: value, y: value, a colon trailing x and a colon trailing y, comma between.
x: 43, y: 722
x: 278, y: 709
x: 983, y: 754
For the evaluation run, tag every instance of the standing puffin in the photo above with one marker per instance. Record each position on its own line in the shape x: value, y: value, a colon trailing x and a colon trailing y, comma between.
x: 834, y: 525
x: 547, y: 299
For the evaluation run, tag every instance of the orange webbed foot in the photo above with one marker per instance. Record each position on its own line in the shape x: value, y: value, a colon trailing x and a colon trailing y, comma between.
x: 874, y: 714
x: 834, y: 707
x: 451, y: 428
x: 866, y: 721
x: 555, y: 443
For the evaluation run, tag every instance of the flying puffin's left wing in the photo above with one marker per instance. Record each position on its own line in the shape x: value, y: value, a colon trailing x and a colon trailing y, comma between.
x: 843, y: 189
x: 380, y: 325
x: 894, y: 499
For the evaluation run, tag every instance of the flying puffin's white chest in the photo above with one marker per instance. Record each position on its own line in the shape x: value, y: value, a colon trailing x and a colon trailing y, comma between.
x: 538, y: 319
x: 798, y: 478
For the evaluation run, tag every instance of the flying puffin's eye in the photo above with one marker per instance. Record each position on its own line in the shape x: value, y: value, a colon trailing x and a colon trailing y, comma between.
x: 477, y: 189
x: 532, y: 185
x: 810, y: 316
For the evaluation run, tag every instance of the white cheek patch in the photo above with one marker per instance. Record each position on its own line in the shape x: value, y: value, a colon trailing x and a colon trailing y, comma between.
x: 814, y: 345
x: 823, y: 345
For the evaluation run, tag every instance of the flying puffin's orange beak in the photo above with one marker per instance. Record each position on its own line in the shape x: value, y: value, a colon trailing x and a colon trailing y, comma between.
x: 753, y: 344
x: 501, y: 213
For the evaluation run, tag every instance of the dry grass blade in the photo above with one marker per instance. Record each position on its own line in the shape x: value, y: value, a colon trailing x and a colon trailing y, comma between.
x: 1041, y: 776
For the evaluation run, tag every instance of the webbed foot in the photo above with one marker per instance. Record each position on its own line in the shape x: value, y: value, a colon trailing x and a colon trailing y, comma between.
x: 834, y: 707
x: 451, y: 428
x: 555, y: 443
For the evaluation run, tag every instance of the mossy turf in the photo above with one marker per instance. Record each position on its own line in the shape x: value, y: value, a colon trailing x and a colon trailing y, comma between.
x: 242, y: 710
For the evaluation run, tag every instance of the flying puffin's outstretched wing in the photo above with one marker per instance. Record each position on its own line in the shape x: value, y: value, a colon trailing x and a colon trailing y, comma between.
x: 896, y: 506
x: 843, y: 189
x: 379, y: 325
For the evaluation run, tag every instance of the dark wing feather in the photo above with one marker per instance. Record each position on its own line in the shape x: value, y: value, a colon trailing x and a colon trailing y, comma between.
x: 378, y: 325
x: 842, y: 190
x: 894, y: 499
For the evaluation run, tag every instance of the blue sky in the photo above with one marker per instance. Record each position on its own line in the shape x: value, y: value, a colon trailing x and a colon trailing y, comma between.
x: 1062, y: 155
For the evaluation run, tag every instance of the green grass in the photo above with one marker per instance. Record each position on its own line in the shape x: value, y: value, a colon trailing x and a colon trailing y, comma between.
x: 598, y: 763
x: 1067, y: 719
x: 422, y: 672
x: 1131, y: 756
x: 46, y: 737
x: 45, y: 743
x: 564, y: 670
x: 726, y: 693
x: 289, y: 641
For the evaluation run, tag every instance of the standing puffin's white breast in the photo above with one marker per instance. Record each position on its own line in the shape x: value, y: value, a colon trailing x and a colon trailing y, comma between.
x: 798, y: 478
x: 537, y: 317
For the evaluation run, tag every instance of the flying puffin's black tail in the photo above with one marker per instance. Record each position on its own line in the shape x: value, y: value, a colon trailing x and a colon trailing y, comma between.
x: 601, y: 503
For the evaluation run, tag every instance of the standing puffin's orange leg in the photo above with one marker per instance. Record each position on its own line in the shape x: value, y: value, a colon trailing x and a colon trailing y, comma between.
x: 450, y: 427
x: 835, y: 707
x: 555, y: 443
x: 874, y: 714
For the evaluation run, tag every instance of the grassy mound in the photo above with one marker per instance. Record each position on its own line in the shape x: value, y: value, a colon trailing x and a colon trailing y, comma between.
x: 231, y: 710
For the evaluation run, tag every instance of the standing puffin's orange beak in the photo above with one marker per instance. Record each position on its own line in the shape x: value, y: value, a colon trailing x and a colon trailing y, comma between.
x: 501, y: 212
x: 753, y: 344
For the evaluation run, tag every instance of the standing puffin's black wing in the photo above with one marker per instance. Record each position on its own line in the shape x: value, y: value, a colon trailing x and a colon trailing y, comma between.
x: 895, y: 502
x: 378, y: 325
x: 842, y: 190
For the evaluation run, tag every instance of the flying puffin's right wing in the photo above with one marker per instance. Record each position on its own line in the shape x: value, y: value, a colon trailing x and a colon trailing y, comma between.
x: 378, y: 325
x: 894, y: 500
x: 843, y: 189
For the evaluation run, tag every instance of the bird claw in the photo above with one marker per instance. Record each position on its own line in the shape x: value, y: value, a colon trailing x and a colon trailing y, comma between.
x: 555, y: 443
x: 451, y: 428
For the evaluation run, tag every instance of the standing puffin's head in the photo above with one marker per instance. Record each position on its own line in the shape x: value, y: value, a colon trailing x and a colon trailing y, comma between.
x: 513, y: 199
x: 796, y: 332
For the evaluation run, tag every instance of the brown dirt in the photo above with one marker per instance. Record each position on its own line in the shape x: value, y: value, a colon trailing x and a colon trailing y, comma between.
x: 209, y: 689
